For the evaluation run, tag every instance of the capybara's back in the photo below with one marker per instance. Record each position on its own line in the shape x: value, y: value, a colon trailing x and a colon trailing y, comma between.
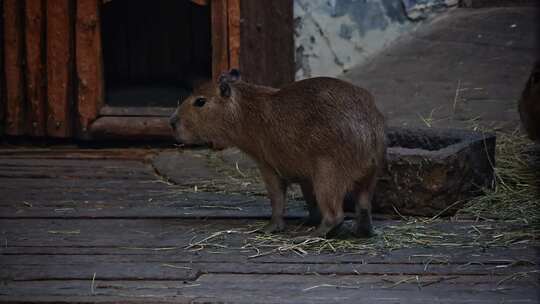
x: 323, y: 133
x: 314, y: 120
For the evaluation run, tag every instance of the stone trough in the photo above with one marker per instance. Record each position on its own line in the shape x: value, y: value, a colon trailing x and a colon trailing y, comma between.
x: 429, y: 171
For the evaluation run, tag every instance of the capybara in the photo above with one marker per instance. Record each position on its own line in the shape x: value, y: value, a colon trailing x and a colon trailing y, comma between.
x: 322, y: 133
x: 529, y: 104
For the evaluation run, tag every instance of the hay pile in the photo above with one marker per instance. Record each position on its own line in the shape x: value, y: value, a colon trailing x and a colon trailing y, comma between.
x: 516, y: 193
x: 411, y: 233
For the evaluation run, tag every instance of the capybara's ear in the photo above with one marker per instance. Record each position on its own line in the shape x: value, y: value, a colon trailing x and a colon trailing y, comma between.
x: 234, y: 75
x: 224, y: 89
x: 224, y: 77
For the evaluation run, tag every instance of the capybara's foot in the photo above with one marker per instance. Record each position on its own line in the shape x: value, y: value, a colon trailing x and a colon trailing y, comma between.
x: 364, y: 231
x: 275, y: 225
x: 364, y: 227
x: 327, y: 230
x: 314, y: 218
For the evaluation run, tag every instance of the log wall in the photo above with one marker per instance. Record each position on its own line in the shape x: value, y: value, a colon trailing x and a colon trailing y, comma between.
x: 34, y: 23
x: 51, y: 63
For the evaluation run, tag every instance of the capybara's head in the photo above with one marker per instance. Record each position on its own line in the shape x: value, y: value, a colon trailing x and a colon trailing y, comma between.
x: 208, y: 114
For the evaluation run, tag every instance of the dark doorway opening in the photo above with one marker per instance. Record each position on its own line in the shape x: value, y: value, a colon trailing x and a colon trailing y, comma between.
x: 154, y: 51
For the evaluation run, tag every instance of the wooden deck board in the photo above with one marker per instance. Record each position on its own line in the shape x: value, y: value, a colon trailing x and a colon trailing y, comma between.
x: 82, y: 226
x: 277, y: 289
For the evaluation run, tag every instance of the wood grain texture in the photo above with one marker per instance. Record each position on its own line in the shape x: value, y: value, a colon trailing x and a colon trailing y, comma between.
x: 220, y: 55
x: 134, y: 248
x: 59, y: 68
x: 136, y: 111
x: 267, y: 42
x: 286, y: 289
x: 131, y: 128
x: 35, y: 66
x: 233, y: 18
x: 89, y: 64
x: 13, y: 67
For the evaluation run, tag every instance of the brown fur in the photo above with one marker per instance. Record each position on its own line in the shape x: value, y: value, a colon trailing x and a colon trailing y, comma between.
x: 529, y: 105
x: 323, y: 133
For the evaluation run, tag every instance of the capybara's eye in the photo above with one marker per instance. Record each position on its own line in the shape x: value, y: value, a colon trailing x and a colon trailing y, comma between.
x: 199, y: 102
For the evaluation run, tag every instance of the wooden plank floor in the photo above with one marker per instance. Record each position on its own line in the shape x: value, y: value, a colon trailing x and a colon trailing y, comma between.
x: 98, y: 226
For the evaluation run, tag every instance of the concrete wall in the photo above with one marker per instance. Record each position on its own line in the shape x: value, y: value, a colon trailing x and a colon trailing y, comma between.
x: 331, y: 36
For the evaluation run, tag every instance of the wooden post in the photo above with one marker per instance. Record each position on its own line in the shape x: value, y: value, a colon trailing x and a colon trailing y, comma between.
x: 220, y: 56
x: 89, y: 64
x: 35, y: 68
x: 267, y: 42
x: 233, y: 17
x: 13, y: 66
x: 59, y: 68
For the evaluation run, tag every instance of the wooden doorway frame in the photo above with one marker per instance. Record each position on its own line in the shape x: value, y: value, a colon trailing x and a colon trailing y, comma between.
x: 96, y: 120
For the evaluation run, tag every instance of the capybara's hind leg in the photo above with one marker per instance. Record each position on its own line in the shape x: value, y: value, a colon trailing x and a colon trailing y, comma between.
x: 364, y: 194
x: 314, y: 217
x: 329, y: 192
x: 277, y: 189
x: 331, y: 211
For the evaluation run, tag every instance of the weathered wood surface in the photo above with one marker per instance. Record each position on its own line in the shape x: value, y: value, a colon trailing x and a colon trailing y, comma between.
x: 136, y: 111
x: 233, y: 18
x: 86, y: 226
x: 220, y: 54
x: 59, y: 69
x: 267, y: 42
x: 13, y: 67
x: 282, y: 289
x: 35, y: 66
x: 89, y: 64
x: 131, y: 128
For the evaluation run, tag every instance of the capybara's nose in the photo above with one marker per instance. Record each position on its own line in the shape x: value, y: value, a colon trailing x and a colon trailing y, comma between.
x: 172, y: 121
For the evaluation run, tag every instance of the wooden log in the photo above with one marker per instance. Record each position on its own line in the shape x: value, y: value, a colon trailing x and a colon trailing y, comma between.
x: 35, y: 66
x: 136, y: 111
x: 267, y: 30
x: 13, y: 67
x: 220, y: 56
x: 89, y: 60
x: 59, y: 68
x: 233, y: 18
x: 131, y: 128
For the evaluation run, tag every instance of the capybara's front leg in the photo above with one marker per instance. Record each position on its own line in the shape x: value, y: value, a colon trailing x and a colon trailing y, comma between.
x: 277, y: 189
